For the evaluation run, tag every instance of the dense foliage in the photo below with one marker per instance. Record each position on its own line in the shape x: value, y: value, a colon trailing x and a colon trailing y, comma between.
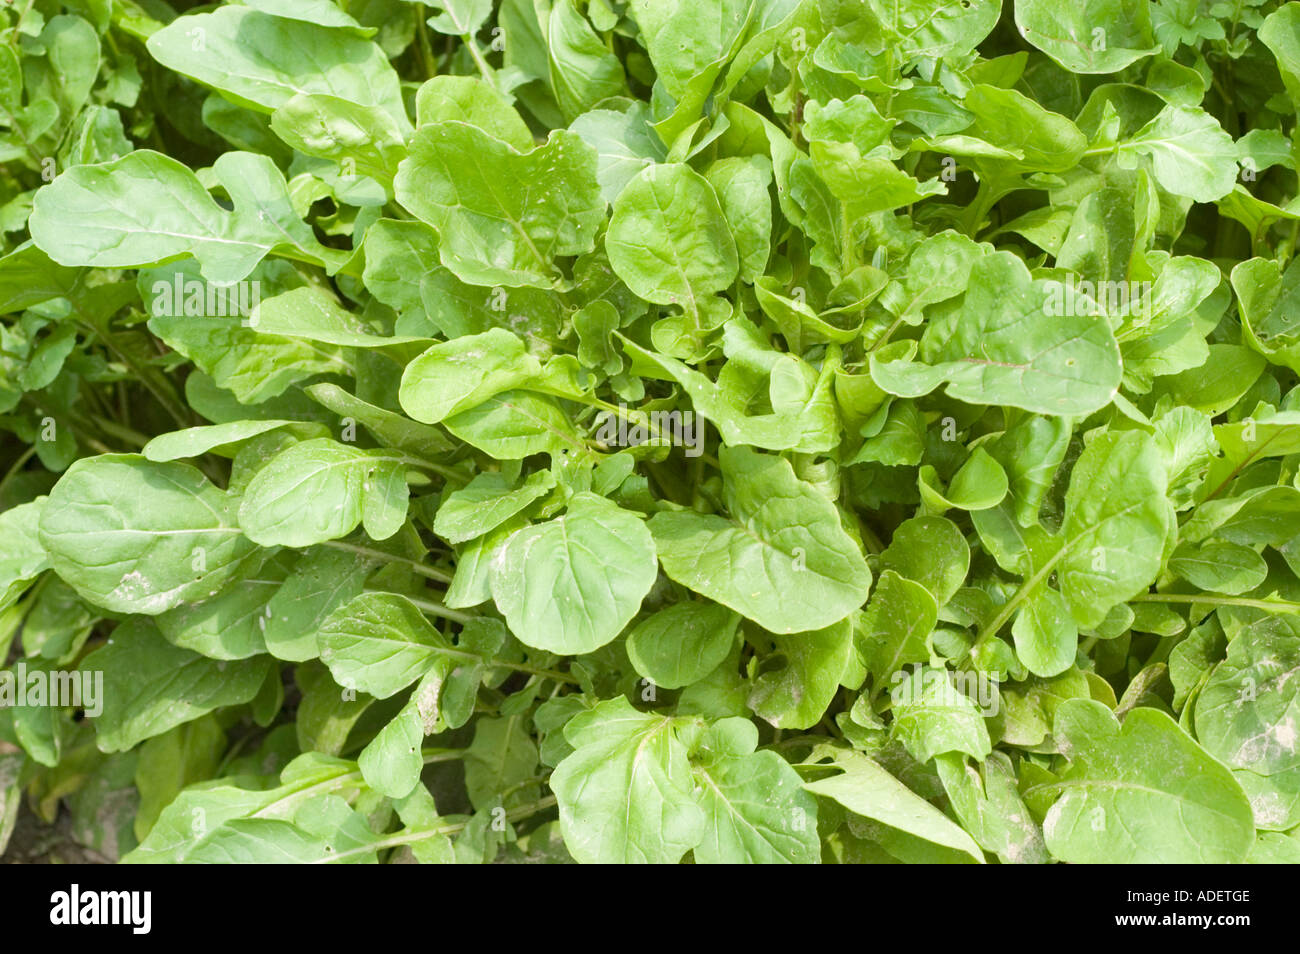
x: 651, y: 430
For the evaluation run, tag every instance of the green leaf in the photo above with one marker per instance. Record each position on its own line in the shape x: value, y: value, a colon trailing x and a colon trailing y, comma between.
x: 993, y: 346
x: 321, y: 490
x: 690, y: 43
x: 262, y: 61
x: 896, y: 627
x: 741, y: 185
x: 22, y: 555
x: 151, y: 686
x: 571, y: 584
x: 169, y: 762
x: 252, y: 366
x: 392, y: 761
x: 231, y: 624
x: 224, y: 439
x: 1189, y: 152
x: 1220, y: 567
x: 1247, y: 712
x: 806, y: 423
x: 485, y: 503
x: 669, y: 240
x: 1116, y: 522
x: 1266, y: 296
x: 516, y: 424
x: 626, y: 792
x: 1099, y: 36
x: 458, y: 375
x: 322, y: 580
x: 315, y: 314
x: 389, y: 428
x: 491, y: 231
x: 624, y: 143
x: 1046, y: 636
x: 932, y: 717
x: 1141, y: 793
x: 979, y: 484
x: 174, y: 840
x: 931, y: 551
x: 782, y: 537
x: 990, y: 807
x: 460, y: 17
x: 682, y: 643
x: 365, y: 140
x: 500, y: 759
x: 134, y: 536
x: 866, y: 186
x: 796, y: 695
x: 1044, y: 140
x: 468, y: 99
x: 380, y: 643
x: 866, y: 789
x: 1278, y: 32
x: 147, y: 208
x: 755, y: 808
x: 583, y: 70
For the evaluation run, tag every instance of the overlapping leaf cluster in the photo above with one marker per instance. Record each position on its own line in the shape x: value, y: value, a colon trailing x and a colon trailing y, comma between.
x: 720, y: 430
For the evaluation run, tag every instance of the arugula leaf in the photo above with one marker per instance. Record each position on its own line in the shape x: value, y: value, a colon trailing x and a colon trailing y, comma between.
x: 135, y: 536
x: 626, y: 791
x: 319, y: 490
x: 1140, y: 792
x: 571, y: 584
x: 997, y: 346
x: 781, y: 537
x: 147, y: 208
x: 489, y: 233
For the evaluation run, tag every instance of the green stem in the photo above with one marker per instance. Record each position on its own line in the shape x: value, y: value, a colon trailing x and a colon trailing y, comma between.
x: 985, y: 199
x: 431, y: 756
x: 1279, y: 606
x: 481, y: 63
x: 288, y: 253
x: 75, y: 423
x: 13, y: 37
x: 534, y: 780
x: 419, y: 463
x: 884, y: 339
x: 846, y: 239
x: 17, y: 466
x: 437, y: 609
x: 424, y: 49
x: 154, y: 387
x: 1010, y: 606
x: 368, y: 553
x: 120, y: 431
x: 554, y: 674
x: 1288, y: 247
x: 409, y: 837
x: 870, y: 539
